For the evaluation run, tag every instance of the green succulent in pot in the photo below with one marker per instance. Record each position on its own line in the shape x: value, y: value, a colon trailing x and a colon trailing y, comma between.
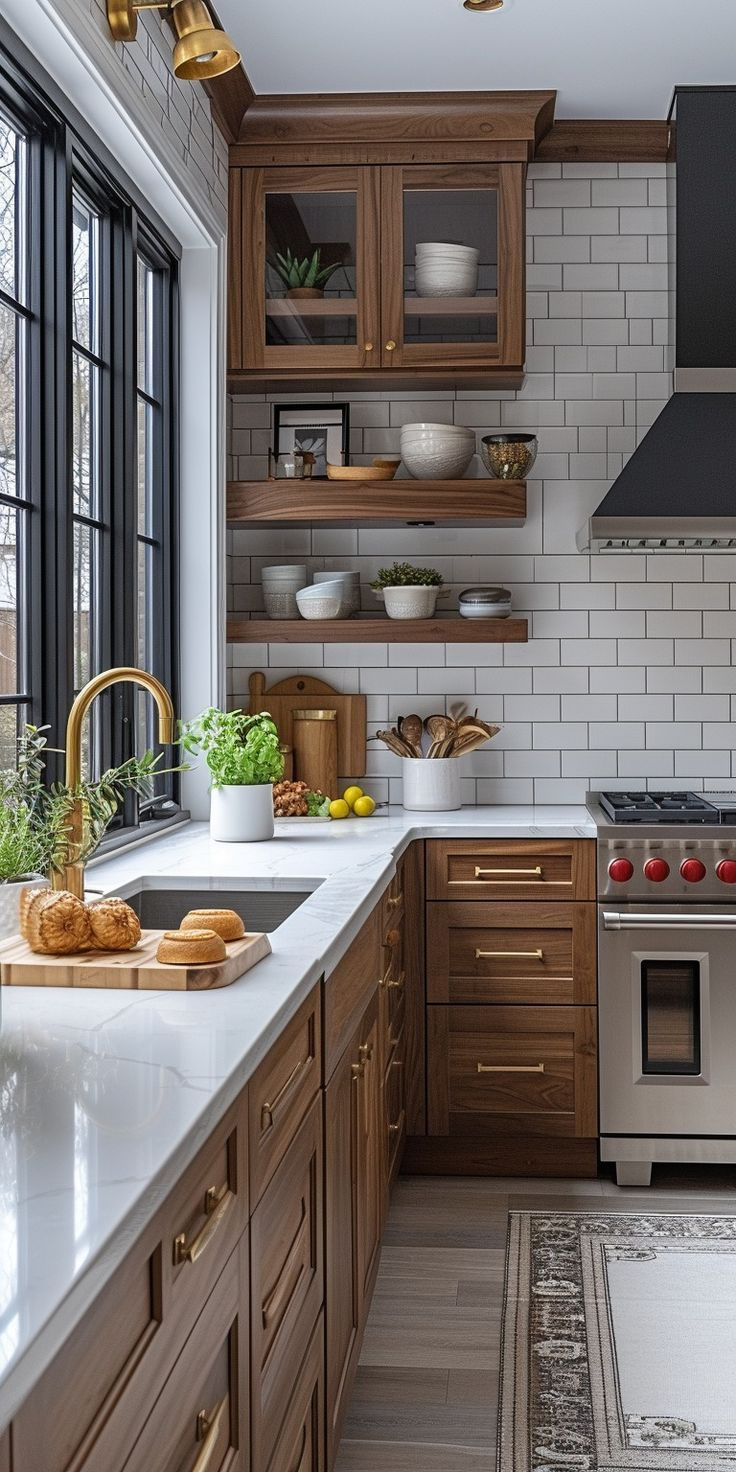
x: 304, y: 274
x: 403, y: 575
x: 408, y: 592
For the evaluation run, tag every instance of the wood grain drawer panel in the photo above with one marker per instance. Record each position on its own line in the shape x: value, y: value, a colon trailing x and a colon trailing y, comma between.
x: 348, y: 990
x: 287, y: 1280
x: 204, y: 1404
x: 529, y: 1069
x: 511, y: 869
x: 282, y: 1090
x: 392, y: 988
x: 153, y: 1300
x: 393, y: 901
x: 505, y: 952
x: 395, y: 1111
x: 301, y: 1443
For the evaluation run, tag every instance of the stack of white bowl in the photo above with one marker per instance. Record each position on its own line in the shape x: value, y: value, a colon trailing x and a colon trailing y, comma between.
x: 280, y: 587
x: 351, y: 585
x: 437, y: 451
x: 446, y: 270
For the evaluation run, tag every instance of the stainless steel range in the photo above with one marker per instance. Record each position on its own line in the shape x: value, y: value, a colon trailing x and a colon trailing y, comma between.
x: 667, y: 978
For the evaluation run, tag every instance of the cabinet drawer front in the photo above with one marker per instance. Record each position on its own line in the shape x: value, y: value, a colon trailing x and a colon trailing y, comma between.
x: 348, y: 990
x: 392, y: 904
x: 392, y: 989
x: 286, y: 1279
x: 301, y: 1443
x: 153, y: 1300
x: 395, y: 1096
x: 521, y: 869
x: 519, y: 1069
x: 501, y: 952
x: 281, y: 1091
x: 202, y: 1412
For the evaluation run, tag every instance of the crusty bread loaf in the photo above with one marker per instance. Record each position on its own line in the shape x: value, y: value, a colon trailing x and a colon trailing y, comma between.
x: 190, y: 948
x: 28, y: 899
x: 57, y: 924
x: 225, y: 923
x: 114, y: 925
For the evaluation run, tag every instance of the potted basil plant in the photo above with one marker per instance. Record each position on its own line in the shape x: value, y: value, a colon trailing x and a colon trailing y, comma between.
x: 408, y: 592
x: 244, y: 759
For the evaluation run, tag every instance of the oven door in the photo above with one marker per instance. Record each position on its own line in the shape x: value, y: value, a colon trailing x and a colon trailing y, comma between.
x: 667, y: 1018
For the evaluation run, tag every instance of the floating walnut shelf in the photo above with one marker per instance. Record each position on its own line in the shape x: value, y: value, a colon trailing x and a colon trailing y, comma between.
x: 376, y: 503
x: 380, y: 630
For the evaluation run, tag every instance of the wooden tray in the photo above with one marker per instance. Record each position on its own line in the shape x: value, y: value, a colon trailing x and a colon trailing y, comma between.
x: 136, y: 970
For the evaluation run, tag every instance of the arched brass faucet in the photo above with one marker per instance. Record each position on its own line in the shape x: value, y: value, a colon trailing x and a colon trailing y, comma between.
x: 71, y: 875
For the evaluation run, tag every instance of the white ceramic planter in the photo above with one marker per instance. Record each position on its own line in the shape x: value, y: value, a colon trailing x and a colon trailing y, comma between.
x: 10, y: 895
x: 431, y: 785
x: 242, y: 814
x: 410, y: 602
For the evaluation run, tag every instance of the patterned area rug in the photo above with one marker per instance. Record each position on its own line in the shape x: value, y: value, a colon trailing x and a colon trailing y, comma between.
x: 619, y: 1344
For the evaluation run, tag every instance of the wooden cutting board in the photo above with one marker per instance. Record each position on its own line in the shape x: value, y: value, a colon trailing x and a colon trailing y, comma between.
x: 304, y: 692
x: 136, y: 970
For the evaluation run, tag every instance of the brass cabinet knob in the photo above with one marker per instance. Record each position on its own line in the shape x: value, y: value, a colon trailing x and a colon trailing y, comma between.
x: 367, y: 347
x: 390, y: 345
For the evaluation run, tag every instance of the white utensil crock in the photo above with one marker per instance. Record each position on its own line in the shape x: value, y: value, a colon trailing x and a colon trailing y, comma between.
x: 431, y: 784
x: 242, y: 814
x: 10, y: 896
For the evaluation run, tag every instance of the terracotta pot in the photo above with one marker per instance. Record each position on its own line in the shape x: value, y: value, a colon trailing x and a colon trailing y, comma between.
x: 305, y: 293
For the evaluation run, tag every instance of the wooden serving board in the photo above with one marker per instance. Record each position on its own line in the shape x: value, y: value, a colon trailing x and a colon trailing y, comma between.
x: 136, y: 970
x: 304, y: 692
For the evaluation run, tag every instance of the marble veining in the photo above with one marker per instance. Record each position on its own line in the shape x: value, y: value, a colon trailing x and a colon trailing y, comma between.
x: 106, y: 1096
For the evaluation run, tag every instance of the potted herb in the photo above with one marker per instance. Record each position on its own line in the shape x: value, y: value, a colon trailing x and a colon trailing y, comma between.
x: 243, y: 755
x: 34, y: 818
x: 305, y: 277
x: 408, y: 592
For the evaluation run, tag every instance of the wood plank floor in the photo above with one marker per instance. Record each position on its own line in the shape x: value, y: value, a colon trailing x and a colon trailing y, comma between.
x: 425, y: 1396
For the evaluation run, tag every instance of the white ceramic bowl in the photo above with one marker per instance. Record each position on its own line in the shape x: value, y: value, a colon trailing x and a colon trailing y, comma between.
x: 287, y: 571
x: 438, y: 460
x: 431, y: 431
x: 280, y: 602
x: 410, y: 602
x: 325, y: 600
x: 432, y: 249
x: 351, y: 585
x: 462, y: 283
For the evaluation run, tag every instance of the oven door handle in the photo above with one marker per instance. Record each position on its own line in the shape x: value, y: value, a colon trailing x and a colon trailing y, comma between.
x: 615, y: 920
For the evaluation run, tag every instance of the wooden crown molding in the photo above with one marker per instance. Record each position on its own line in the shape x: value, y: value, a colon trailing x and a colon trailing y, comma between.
x: 349, y: 119
x: 605, y: 140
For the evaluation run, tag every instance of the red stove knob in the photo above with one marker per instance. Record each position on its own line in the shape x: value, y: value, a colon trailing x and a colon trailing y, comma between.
x: 726, y: 871
x: 656, y: 870
x: 693, y: 871
x: 620, y: 870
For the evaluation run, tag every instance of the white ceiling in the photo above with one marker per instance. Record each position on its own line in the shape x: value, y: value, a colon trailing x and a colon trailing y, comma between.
x: 607, y: 58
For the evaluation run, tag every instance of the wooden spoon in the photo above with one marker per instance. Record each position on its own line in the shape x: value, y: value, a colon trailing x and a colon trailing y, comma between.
x: 393, y: 741
x: 411, y: 729
x: 439, y: 728
x: 470, y: 741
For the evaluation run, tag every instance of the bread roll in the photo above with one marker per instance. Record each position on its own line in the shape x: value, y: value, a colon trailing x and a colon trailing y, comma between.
x: 57, y: 924
x: 114, y: 925
x: 28, y: 899
x: 224, y: 922
x: 190, y: 948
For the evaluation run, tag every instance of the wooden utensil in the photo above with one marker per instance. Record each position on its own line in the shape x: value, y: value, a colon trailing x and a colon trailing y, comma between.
x: 304, y: 692
x: 410, y: 729
x: 394, y: 742
x: 465, y: 743
x: 136, y: 970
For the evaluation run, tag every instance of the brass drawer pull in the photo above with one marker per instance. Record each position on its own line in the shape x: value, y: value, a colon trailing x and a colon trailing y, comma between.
x: 393, y: 1129
x: 511, y: 1068
x: 357, y: 1070
x: 208, y: 1431
x: 365, y: 1052
x: 484, y: 955
x: 536, y: 872
x: 398, y: 985
x: 216, y: 1204
x: 397, y: 900
x: 278, y: 1294
x: 268, y: 1110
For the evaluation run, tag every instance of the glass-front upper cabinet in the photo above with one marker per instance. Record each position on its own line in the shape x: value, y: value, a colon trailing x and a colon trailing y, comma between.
x: 310, y: 258
x: 452, y: 265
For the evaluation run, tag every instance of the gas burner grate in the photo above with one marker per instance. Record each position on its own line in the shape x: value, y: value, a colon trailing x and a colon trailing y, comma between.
x: 658, y: 807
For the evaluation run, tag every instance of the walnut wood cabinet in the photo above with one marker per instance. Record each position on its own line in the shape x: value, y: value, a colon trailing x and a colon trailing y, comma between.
x: 373, y: 314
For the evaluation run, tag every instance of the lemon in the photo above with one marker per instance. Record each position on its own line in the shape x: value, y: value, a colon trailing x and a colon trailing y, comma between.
x: 339, y: 808
x: 364, y: 807
x: 351, y: 795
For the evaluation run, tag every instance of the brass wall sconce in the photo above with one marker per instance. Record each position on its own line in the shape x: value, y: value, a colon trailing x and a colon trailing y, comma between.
x: 201, y: 50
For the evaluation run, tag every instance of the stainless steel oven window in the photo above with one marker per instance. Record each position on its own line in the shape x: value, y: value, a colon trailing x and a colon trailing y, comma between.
x: 671, y: 1040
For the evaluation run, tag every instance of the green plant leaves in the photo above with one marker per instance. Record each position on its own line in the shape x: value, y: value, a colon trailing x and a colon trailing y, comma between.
x: 403, y: 575
x: 240, y: 750
x: 306, y: 272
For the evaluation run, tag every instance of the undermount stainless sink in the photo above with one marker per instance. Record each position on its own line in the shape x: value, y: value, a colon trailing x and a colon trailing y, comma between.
x: 259, y: 909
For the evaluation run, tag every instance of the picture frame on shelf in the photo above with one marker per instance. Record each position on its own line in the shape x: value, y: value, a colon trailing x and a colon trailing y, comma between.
x: 318, y: 430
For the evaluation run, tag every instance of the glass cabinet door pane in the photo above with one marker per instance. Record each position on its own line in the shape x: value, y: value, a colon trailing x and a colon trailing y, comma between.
x: 670, y: 1003
x: 451, y: 266
x: 311, y: 248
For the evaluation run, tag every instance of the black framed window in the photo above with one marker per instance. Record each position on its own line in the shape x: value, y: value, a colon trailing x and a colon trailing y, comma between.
x: 88, y: 430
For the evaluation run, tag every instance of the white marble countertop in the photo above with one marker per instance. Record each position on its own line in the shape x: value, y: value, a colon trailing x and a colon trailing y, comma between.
x: 105, y: 1096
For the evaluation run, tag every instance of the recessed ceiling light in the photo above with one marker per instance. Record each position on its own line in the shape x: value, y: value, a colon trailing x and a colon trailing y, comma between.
x: 486, y: 4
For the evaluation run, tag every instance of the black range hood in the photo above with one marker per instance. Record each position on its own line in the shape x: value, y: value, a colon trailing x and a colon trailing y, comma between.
x: 678, y: 490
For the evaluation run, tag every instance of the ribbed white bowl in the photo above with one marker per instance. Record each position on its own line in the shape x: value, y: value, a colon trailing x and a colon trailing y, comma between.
x: 438, y: 461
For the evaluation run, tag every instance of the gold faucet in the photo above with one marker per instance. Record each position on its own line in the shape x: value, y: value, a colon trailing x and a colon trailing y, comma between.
x: 71, y: 875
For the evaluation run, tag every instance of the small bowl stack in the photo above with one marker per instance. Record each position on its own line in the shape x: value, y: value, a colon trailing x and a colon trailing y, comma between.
x: 350, y: 582
x: 484, y: 603
x: 442, y: 269
x: 280, y: 587
x: 437, y: 451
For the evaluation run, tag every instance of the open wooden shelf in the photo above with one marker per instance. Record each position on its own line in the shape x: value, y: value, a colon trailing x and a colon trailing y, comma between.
x: 450, y: 306
x: 311, y: 306
x: 445, y: 629
x: 376, y: 503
